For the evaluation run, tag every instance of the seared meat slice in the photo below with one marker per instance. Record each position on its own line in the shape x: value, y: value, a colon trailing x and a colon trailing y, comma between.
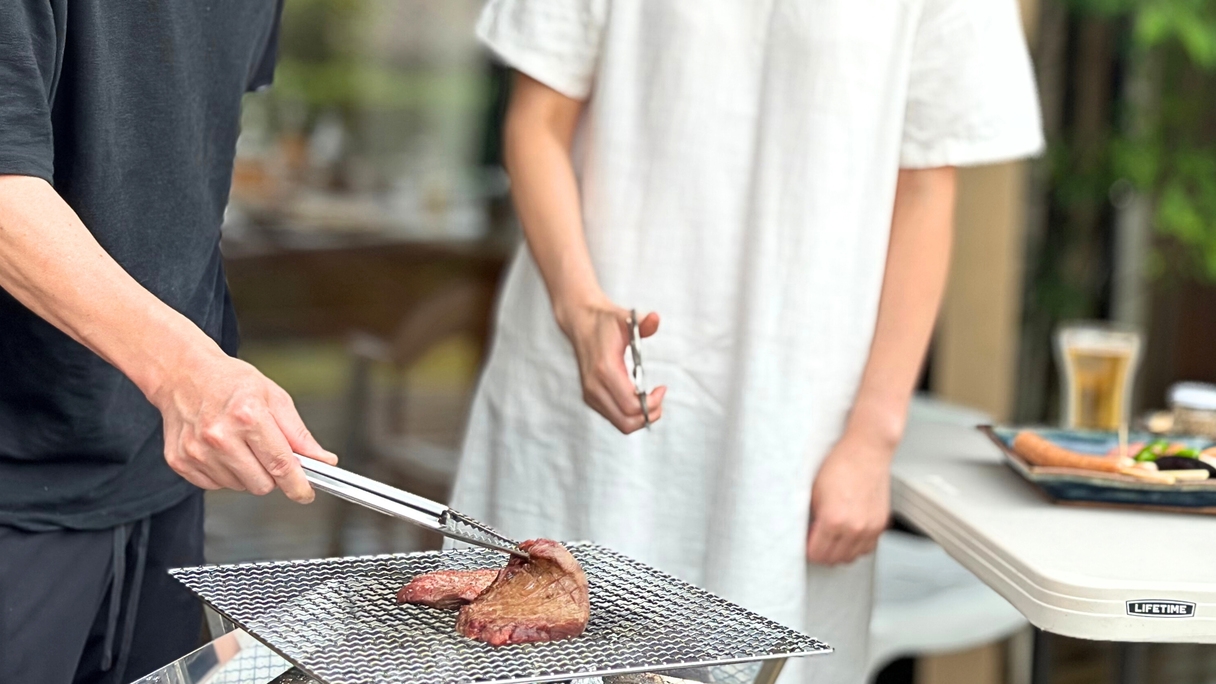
x: 446, y: 589
x: 543, y: 598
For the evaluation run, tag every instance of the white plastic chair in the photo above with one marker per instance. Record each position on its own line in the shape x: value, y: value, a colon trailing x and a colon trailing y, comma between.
x: 925, y: 603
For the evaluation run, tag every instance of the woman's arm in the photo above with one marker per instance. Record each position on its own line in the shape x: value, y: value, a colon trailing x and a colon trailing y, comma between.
x: 850, y: 502
x: 537, y: 140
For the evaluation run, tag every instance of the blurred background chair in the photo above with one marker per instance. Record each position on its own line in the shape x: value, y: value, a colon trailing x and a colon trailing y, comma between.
x: 926, y: 604
x: 399, y: 434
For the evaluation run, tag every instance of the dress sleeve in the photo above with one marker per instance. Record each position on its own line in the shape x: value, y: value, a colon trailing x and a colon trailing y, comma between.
x: 556, y: 42
x: 971, y: 92
x: 27, y: 82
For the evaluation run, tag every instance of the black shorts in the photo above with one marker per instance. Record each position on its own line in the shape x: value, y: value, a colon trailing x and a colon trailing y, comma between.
x: 66, y: 616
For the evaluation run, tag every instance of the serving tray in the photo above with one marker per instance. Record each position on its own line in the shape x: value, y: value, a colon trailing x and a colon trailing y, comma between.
x: 1089, y: 487
x: 337, y: 619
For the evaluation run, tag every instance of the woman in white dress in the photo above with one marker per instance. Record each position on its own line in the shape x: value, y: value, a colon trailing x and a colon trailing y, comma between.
x: 775, y: 178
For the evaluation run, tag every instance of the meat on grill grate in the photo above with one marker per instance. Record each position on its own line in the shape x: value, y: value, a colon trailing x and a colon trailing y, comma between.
x: 541, y: 598
x: 446, y: 589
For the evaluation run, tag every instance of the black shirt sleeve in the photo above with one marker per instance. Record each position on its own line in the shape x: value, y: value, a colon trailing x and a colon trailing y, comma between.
x: 31, y: 39
x: 263, y: 70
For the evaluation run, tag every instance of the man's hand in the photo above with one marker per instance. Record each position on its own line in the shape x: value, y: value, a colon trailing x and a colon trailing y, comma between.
x: 850, y: 501
x: 227, y: 425
x: 600, y: 335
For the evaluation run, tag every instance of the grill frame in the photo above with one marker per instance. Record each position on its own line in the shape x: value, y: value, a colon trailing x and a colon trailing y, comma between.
x: 337, y: 620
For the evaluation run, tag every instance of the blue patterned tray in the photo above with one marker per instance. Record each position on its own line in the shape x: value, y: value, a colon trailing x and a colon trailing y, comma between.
x: 1077, y: 486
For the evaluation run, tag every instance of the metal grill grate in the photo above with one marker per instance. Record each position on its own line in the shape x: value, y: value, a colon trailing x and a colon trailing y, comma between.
x: 338, y: 620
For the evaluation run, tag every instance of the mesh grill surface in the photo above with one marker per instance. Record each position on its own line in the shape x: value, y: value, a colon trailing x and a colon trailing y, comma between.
x: 338, y: 620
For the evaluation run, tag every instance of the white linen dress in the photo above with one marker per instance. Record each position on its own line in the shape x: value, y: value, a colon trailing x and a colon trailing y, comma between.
x: 737, y: 161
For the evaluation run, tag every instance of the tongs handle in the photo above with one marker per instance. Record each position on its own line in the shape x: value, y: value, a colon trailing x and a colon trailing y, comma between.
x: 398, y: 503
x: 399, y: 495
x: 372, y: 494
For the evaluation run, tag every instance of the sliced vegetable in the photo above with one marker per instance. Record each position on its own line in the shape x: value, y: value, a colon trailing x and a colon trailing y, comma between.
x: 1149, y: 475
x: 1173, y: 464
x: 1196, y: 475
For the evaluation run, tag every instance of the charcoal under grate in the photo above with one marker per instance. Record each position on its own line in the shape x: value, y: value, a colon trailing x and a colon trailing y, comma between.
x: 338, y: 620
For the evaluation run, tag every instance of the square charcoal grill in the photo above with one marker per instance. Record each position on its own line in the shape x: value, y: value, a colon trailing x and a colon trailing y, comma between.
x: 338, y: 620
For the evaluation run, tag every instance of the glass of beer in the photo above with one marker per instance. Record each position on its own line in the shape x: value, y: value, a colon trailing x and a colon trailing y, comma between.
x: 1098, y: 364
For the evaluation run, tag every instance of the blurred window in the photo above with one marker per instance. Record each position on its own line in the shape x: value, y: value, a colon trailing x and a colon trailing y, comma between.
x: 376, y: 129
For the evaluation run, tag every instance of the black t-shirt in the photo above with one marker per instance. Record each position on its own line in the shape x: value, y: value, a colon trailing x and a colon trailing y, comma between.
x: 131, y: 110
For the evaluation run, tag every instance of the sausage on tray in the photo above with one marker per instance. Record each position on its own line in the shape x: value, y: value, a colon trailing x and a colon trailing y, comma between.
x: 1041, y: 452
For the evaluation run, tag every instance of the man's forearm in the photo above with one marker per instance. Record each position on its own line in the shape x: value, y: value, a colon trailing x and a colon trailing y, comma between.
x: 52, y: 264
x: 918, y: 260
x: 225, y: 424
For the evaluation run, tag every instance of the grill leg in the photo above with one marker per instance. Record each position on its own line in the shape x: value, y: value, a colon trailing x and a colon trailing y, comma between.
x: 769, y: 671
x: 217, y: 624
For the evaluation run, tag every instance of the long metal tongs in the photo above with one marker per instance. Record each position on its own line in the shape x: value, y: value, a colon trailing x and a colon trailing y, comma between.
x: 401, y: 504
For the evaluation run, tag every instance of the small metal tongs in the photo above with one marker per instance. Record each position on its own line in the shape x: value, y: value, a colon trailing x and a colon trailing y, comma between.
x: 401, y: 504
x: 639, y: 374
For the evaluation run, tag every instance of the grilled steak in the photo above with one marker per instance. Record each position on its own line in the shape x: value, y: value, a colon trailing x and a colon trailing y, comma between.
x: 543, y: 598
x: 446, y: 589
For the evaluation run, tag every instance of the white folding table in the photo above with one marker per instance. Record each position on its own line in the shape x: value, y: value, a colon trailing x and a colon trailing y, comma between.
x: 1089, y: 573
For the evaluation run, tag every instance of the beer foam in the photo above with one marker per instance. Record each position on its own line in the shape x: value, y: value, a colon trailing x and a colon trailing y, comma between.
x: 1097, y: 341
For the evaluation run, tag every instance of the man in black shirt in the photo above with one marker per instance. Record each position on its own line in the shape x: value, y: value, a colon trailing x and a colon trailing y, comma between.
x: 119, y: 395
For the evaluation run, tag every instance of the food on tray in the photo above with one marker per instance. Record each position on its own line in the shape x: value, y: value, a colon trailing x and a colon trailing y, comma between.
x: 1178, y: 464
x: 1176, y: 459
x: 1186, y: 475
x: 1160, y: 447
x: 1149, y: 473
x: 1159, y: 461
x: 1146, y: 483
x: 541, y: 598
x: 1041, y: 452
x: 446, y: 589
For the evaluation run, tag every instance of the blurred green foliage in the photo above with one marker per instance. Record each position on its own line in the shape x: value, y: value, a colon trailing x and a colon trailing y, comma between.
x: 325, y: 63
x: 342, y: 82
x: 1172, y: 155
x: 378, y: 90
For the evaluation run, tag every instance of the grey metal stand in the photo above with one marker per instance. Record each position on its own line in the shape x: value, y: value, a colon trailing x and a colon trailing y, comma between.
x: 1040, y: 672
x: 1131, y: 664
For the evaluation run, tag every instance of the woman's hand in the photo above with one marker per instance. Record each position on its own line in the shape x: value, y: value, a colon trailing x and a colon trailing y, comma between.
x: 851, y: 498
x: 600, y: 335
x: 537, y: 141
x: 850, y: 501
